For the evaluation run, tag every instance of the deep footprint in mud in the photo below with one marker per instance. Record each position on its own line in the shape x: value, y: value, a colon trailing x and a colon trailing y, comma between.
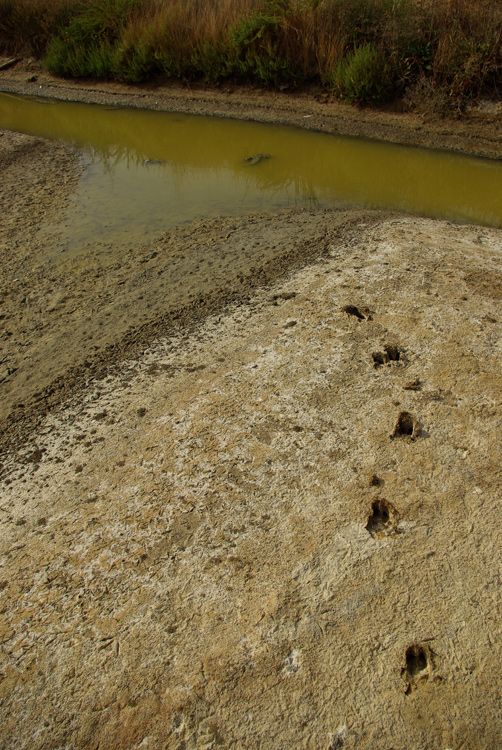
x: 406, y: 426
x: 391, y: 353
x: 383, y: 519
x: 418, y: 667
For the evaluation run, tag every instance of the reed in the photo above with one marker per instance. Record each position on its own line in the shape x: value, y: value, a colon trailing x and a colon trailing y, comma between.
x: 428, y: 53
x: 26, y: 26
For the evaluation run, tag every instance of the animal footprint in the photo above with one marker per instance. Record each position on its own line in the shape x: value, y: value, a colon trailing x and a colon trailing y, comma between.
x: 390, y: 354
x: 418, y: 666
x: 406, y: 426
x: 383, y: 519
x: 363, y: 314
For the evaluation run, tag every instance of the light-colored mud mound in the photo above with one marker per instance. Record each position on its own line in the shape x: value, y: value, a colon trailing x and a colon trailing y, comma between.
x: 280, y: 531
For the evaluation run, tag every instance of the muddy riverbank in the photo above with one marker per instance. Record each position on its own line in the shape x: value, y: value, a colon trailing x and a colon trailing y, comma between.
x: 478, y: 131
x: 70, y: 318
x: 65, y: 320
x: 259, y: 509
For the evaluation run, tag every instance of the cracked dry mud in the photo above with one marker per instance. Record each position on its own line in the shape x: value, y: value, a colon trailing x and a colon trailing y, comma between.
x: 210, y: 538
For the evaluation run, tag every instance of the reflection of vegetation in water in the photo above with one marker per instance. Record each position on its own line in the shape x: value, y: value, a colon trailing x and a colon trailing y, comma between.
x: 296, y: 190
x: 110, y: 157
x: 439, y: 54
x: 113, y: 155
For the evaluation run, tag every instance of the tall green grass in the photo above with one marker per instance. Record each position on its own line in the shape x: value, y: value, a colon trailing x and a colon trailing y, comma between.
x: 438, y: 54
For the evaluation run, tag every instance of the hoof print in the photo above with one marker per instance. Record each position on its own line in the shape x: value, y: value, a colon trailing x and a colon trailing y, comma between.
x: 413, y: 385
x: 378, y: 359
x: 418, y: 667
x: 375, y: 481
x: 363, y: 314
x: 406, y: 426
x: 390, y: 354
x: 383, y: 519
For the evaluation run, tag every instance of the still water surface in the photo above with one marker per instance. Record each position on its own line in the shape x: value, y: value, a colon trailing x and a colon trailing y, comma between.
x: 149, y: 171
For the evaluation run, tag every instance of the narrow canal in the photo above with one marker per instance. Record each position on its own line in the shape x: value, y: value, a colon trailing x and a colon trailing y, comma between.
x: 149, y: 171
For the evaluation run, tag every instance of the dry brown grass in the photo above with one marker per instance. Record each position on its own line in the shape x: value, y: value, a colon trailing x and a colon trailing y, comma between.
x: 453, y: 45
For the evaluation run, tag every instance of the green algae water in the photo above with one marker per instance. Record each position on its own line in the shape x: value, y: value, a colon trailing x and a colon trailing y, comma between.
x: 149, y: 171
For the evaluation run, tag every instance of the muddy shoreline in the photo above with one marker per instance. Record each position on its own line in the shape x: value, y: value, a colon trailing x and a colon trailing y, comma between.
x: 39, y: 302
x: 477, y: 132
x: 67, y: 321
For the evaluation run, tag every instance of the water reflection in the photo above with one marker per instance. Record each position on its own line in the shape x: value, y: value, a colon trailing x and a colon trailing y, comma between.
x: 148, y: 171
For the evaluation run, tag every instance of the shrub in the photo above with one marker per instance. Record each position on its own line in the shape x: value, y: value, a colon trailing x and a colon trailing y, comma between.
x: 427, y: 97
x: 367, y: 50
x: 89, y: 45
x: 468, y: 66
x: 363, y: 77
x: 257, y: 41
x: 361, y: 20
x: 27, y: 26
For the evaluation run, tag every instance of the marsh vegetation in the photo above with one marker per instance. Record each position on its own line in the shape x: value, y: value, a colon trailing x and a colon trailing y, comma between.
x: 437, y: 55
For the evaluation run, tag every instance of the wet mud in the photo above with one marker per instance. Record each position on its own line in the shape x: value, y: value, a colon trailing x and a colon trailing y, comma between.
x: 68, y: 319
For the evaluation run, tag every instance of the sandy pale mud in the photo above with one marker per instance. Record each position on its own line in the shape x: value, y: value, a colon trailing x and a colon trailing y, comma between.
x: 266, y: 517
x: 279, y: 530
x: 66, y: 317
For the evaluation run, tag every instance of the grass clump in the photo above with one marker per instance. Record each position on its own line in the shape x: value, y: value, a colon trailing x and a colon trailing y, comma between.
x: 90, y: 43
x: 364, y: 76
x: 273, y: 44
x: 256, y: 42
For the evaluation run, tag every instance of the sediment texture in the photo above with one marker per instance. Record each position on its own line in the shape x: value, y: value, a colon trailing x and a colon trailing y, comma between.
x: 280, y: 528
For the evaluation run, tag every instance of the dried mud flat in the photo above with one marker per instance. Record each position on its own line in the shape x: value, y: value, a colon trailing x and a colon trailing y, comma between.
x: 264, y: 516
